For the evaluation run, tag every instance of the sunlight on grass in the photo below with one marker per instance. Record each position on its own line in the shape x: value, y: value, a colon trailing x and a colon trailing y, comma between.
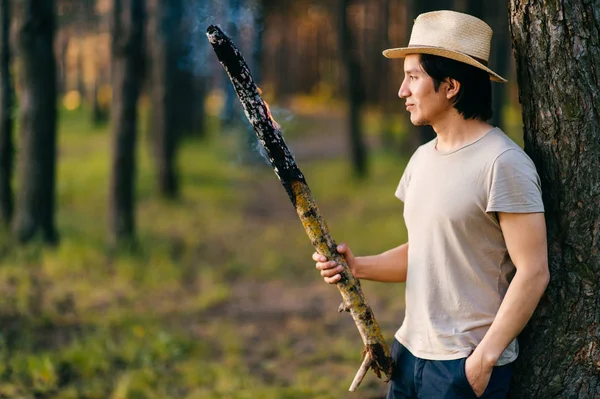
x: 178, y: 316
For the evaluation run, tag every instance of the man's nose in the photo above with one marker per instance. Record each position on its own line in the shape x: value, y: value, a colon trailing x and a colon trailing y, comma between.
x: 403, y: 92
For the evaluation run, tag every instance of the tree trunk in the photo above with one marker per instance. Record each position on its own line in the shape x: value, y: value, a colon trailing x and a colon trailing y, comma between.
x: 556, y: 47
x: 477, y: 8
x: 422, y: 134
x: 6, y: 118
x: 189, y: 104
x: 127, y: 71
x: 165, y: 21
x: 500, y: 60
x: 354, y: 90
x: 496, y: 14
x: 37, y: 103
x: 81, y: 86
x: 99, y: 109
x: 64, y: 38
x: 229, y: 111
x: 386, y: 101
x: 258, y: 18
x: 283, y: 60
x: 190, y: 95
x: 199, y: 116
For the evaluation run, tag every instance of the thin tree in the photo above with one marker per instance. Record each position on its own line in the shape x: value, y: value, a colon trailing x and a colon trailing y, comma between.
x: 166, y: 53
x: 37, y: 105
x: 127, y: 71
x: 6, y: 118
x: 190, y: 90
x: 258, y: 21
x: 423, y: 134
x: 387, y: 102
x: 495, y: 13
x: 354, y: 90
x: 556, y: 49
x: 477, y: 8
x: 284, y: 57
x: 231, y: 10
x: 197, y: 50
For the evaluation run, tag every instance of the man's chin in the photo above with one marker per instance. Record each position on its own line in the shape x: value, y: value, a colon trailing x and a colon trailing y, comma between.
x: 419, y: 122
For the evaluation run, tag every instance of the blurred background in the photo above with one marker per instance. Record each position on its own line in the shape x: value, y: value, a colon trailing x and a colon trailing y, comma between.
x: 147, y: 249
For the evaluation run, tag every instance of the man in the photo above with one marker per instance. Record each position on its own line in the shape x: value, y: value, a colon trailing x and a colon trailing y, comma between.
x: 476, y: 264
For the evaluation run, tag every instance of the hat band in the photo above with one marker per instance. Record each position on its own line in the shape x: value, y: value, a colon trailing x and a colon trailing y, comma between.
x: 480, y: 60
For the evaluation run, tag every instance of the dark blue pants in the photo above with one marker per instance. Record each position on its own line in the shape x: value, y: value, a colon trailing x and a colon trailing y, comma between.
x: 415, y: 378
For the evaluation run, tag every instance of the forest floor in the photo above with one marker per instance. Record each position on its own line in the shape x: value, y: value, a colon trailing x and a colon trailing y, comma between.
x: 220, y: 298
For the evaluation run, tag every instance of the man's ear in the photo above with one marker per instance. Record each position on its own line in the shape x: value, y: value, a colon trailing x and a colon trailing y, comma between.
x: 452, y: 88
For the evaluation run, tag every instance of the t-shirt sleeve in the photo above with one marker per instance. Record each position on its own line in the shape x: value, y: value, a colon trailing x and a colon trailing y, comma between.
x: 401, y: 189
x: 514, y: 184
x: 405, y: 180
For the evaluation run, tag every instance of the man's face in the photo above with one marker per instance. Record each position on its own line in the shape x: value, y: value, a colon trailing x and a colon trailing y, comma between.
x: 425, y: 105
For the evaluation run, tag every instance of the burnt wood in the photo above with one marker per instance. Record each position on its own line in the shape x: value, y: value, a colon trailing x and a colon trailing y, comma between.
x: 377, y: 355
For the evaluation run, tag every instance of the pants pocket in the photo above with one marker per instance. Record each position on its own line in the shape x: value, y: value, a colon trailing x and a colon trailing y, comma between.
x: 464, y: 378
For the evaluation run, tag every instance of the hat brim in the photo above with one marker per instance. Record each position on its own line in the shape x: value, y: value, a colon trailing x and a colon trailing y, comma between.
x: 442, y: 52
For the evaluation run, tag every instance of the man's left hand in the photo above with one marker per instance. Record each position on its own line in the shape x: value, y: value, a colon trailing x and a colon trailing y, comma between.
x: 478, y: 373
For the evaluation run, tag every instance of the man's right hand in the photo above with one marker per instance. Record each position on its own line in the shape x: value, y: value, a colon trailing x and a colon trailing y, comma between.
x: 330, y: 270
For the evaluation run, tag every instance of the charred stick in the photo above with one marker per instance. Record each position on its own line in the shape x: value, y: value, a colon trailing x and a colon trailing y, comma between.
x: 377, y: 355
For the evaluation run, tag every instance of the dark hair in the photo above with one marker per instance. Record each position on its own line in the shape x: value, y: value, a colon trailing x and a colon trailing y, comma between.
x: 474, y: 99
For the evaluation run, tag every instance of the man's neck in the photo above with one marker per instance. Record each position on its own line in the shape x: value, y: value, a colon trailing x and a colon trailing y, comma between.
x: 454, y: 132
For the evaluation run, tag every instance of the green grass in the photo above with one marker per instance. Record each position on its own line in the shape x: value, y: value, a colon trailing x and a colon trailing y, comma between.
x: 220, y: 299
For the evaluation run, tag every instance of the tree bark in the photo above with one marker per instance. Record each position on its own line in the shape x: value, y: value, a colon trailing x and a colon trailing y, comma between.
x: 557, y: 50
x: 354, y: 90
x: 127, y: 71
x: 37, y: 103
x: 6, y: 118
x: 166, y: 50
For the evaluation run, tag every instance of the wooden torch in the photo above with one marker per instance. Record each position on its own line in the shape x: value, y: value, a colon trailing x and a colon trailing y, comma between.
x: 376, y: 353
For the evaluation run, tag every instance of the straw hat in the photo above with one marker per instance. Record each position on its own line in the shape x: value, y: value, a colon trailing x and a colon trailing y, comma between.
x: 453, y: 35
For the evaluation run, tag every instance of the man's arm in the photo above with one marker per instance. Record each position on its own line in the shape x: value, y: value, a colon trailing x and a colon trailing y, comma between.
x: 525, y: 236
x: 389, y: 266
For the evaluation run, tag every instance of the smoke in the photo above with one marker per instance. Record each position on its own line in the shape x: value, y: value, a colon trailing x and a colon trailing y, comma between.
x: 239, y: 19
x: 258, y: 148
x: 197, y: 13
x: 242, y: 21
x: 281, y: 114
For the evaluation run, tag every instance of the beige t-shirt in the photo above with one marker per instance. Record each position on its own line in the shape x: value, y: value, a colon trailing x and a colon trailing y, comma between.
x: 458, y: 265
